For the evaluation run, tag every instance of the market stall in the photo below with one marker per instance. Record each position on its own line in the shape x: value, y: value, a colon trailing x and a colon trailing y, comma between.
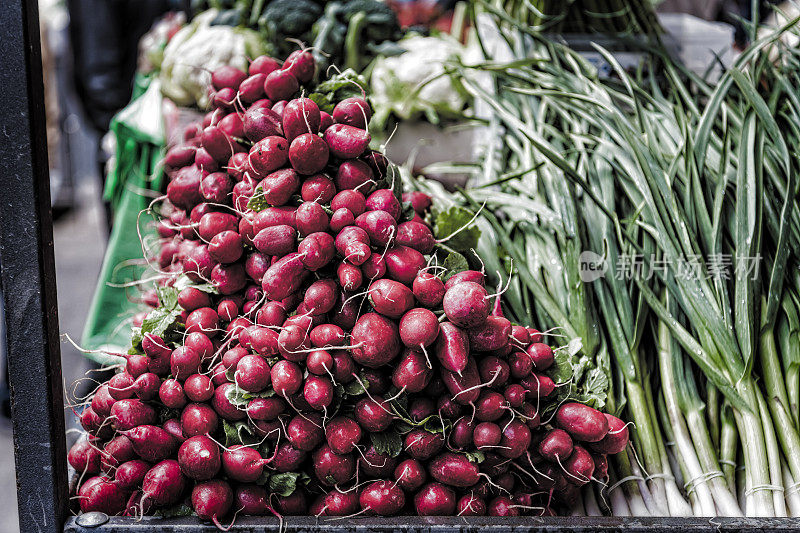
x: 318, y: 337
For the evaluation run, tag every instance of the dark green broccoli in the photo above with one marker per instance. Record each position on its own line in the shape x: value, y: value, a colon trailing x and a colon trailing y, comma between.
x: 284, y: 19
x: 350, y: 31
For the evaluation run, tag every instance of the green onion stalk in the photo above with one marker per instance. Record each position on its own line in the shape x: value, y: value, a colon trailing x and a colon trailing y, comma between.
x: 697, y: 346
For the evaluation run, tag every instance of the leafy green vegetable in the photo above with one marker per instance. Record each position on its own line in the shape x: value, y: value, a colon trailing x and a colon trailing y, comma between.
x: 257, y: 202
x: 338, y: 87
x: 283, y: 484
x: 456, y: 225
x: 284, y: 19
x: 389, y: 442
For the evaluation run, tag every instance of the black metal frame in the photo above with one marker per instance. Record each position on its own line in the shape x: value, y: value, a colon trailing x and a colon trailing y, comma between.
x: 27, y: 277
x: 27, y: 274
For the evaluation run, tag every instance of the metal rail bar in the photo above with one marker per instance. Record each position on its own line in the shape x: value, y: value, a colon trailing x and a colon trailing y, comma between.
x: 412, y: 524
x: 27, y: 275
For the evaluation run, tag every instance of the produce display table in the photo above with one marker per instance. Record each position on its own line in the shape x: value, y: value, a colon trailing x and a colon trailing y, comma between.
x: 413, y: 524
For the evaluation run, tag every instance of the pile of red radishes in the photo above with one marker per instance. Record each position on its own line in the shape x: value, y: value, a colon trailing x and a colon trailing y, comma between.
x: 312, y: 359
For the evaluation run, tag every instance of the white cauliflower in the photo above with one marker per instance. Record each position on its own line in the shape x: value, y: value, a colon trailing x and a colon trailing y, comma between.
x: 196, y: 51
x: 412, y: 82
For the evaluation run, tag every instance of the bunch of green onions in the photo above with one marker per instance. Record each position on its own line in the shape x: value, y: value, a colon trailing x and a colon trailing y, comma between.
x: 700, y: 344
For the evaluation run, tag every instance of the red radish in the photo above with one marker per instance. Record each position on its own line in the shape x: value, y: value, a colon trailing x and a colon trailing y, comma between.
x: 452, y: 347
x: 284, y: 277
x: 286, y: 378
x: 199, y: 458
x: 377, y: 340
x: 377, y: 465
x: 308, y: 153
x: 102, y: 401
x: 326, y: 121
x: 184, y: 189
x: 416, y: 235
x: 164, y: 483
x: 455, y: 470
x: 541, y: 356
x: 130, y: 474
x: 391, y: 298
x: 102, y: 495
x: 327, y: 335
x: 251, y: 499
x: 492, y: 335
x: 419, y: 201
x: 341, y: 503
x: 318, y: 392
x: 582, y: 422
x: 318, y: 189
x: 185, y: 361
x: 403, y: 264
x: 351, y: 200
x: 269, y: 154
x: 332, y: 468
x: 374, y: 414
x: 462, y: 436
x: 264, y: 65
x: 494, y: 370
x: 342, y: 434
x: 379, y: 226
x: 223, y: 406
x: 128, y: 414
x: 305, y: 432
x: 261, y: 122
x: 385, y: 200
x: 300, y: 116
x: 471, y: 505
x: 465, y: 275
x: 84, y: 456
x: 280, y: 85
x: 410, y: 474
x: 311, y: 218
x: 538, y: 386
x: 464, y: 387
x: 515, y: 395
x: 252, y: 373
x: 487, y: 435
x: 152, y: 443
x: 428, y: 289
x: 354, y: 174
x: 198, y: 419
x: 556, y: 445
x: 265, y: 408
x: 179, y: 156
x: 422, y: 445
x: 579, y: 466
x: 232, y: 125
x: 116, y: 451
x: 211, y: 500
x: 227, y: 76
x: 279, y: 186
x: 490, y: 406
x: 353, y: 111
x: 466, y: 304
x: 516, y: 439
x: 412, y: 372
x: 242, y: 463
x: 502, y: 506
x: 346, y: 142
x: 252, y: 88
x: 615, y: 440
x: 435, y: 499
x: 316, y: 250
x: 301, y: 64
x: 383, y: 498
